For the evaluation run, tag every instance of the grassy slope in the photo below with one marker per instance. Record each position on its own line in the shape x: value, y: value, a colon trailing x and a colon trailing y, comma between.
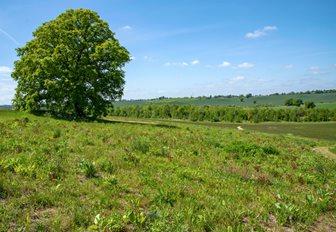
x: 276, y: 100
x: 157, y: 177
x: 315, y: 130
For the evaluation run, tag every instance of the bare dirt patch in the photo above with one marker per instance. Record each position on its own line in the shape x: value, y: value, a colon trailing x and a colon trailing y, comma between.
x: 326, y: 223
x: 325, y: 151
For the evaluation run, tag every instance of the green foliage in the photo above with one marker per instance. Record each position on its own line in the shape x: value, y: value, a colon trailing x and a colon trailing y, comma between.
x: 333, y: 149
x: 322, y: 98
x: 3, y: 191
x: 270, y: 150
x: 88, y: 168
x: 293, y: 102
x: 287, y: 213
x: 140, y: 144
x: 57, y: 133
x: 106, y: 165
x: 162, y: 151
x: 72, y: 67
x: 309, y: 105
x: 226, y: 114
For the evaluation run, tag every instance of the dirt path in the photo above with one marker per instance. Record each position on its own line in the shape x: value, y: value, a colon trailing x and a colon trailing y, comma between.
x: 325, y: 151
x: 326, y: 223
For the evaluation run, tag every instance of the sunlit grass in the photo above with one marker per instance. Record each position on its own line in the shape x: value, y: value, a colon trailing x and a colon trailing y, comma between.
x: 62, y: 175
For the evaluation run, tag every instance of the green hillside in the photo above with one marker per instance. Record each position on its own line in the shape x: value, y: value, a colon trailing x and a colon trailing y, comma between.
x: 58, y: 175
x: 323, y: 100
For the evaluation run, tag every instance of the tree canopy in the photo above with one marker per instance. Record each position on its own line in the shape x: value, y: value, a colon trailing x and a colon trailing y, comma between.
x: 72, y: 67
x: 293, y: 102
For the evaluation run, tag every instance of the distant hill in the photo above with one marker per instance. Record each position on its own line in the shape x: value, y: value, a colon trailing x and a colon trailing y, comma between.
x: 5, y: 107
x: 322, y: 98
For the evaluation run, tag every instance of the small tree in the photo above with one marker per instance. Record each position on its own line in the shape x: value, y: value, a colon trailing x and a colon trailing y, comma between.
x: 309, y: 105
x: 293, y: 102
x: 298, y: 102
x: 289, y: 102
x: 241, y: 98
x: 71, y: 67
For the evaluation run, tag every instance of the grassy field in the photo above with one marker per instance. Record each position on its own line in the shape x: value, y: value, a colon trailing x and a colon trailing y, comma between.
x: 324, y: 100
x: 59, y: 175
x: 315, y: 130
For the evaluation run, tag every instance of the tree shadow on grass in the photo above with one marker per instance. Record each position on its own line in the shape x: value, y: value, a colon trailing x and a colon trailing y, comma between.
x: 114, y: 121
x: 104, y: 120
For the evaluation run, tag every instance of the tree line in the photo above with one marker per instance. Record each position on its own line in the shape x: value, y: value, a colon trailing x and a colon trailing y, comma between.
x: 241, y: 96
x: 226, y: 113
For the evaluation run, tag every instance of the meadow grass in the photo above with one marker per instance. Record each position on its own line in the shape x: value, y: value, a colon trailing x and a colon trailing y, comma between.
x: 60, y: 175
x: 315, y: 130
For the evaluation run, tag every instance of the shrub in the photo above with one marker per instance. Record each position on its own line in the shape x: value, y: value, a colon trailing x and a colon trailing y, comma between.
x: 163, y: 151
x: 287, y: 213
x: 228, y: 113
x: 293, y: 102
x: 56, y: 171
x: 106, y: 166
x: 309, y: 105
x: 270, y: 150
x: 88, y: 168
x: 111, y: 181
x: 241, y: 148
x: 3, y: 192
x: 140, y: 144
x: 57, y: 133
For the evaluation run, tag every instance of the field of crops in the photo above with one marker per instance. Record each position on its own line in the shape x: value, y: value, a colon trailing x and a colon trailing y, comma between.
x: 134, y: 176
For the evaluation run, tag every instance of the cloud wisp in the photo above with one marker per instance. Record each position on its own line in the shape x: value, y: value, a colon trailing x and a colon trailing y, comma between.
x: 126, y: 28
x: 260, y: 32
x: 236, y: 79
x: 183, y: 63
x: 224, y: 64
x: 315, y: 70
x: 245, y: 65
x: 288, y: 66
x: 194, y: 62
x: 9, y: 36
x: 4, y: 70
x: 7, y: 85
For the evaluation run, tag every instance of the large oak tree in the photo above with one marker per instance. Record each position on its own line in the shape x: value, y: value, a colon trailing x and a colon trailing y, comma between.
x: 72, y: 67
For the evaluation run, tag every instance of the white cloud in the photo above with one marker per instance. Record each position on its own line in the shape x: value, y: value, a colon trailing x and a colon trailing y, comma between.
x: 5, y: 70
x: 315, y: 70
x: 148, y: 58
x: 288, y: 66
x: 182, y: 64
x: 178, y: 64
x: 194, y: 62
x: 224, y: 64
x: 260, y: 32
x: 126, y: 28
x: 245, y: 65
x: 7, y: 90
x: 270, y: 28
x: 236, y: 79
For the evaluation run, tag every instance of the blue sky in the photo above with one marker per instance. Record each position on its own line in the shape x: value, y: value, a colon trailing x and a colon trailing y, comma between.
x: 192, y: 48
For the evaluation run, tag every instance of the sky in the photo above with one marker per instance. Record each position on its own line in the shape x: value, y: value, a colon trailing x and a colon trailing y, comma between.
x: 192, y: 47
